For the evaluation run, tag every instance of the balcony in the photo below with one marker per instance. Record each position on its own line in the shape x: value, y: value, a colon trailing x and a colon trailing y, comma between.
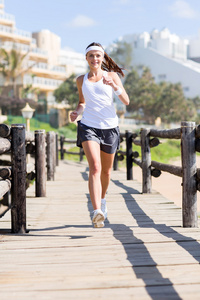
x: 17, y: 34
x: 8, y: 45
x: 22, y: 33
x: 42, y: 83
x: 39, y: 65
x: 1, y: 4
x: 39, y: 51
x: 46, y: 81
x: 59, y: 69
x: 43, y: 69
x: 7, y: 16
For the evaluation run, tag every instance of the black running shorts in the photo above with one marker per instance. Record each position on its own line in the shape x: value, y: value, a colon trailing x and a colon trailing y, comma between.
x: 108, y: 139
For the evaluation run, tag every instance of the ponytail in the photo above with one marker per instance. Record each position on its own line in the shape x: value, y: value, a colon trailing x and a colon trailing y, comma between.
x: 108, y: 64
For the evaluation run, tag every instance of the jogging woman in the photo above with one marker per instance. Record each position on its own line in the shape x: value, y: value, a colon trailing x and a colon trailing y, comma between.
x: 98, y: 131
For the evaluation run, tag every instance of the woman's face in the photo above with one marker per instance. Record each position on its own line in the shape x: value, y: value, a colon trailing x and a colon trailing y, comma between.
x: 94, y: 59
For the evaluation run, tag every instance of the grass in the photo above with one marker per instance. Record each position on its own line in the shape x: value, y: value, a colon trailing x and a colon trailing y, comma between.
x: 73, y: 157
x: 69, y: 131
x: 34, y: 124
x: 167, y: 151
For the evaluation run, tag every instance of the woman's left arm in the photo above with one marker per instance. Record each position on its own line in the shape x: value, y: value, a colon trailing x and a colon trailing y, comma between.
x: 114, y: 81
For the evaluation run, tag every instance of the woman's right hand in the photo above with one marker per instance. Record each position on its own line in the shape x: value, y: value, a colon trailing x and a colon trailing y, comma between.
x: 73, y: 116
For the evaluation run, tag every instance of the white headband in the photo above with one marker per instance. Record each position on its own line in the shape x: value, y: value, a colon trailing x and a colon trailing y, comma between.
x: 98, y: 48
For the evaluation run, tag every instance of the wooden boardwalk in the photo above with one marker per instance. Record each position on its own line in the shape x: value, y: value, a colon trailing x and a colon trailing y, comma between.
x: 142, y: 253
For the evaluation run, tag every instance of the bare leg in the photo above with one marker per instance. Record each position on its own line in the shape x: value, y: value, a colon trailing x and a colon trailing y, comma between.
x: 106, y: 164
x: 92, y: 152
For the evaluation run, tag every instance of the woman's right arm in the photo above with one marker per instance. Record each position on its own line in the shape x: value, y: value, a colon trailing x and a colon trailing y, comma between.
x: 81, y: 104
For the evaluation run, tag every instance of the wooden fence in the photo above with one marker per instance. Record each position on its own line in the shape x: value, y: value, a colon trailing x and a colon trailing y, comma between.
x: 16, y: 174
x: 63, y: 150
x: 189, y: 135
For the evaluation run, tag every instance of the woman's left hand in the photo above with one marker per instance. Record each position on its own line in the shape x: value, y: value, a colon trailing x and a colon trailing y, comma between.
x: 109, y: 81
x: 114, y: 81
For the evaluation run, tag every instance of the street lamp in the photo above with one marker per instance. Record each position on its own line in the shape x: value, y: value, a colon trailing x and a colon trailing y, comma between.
x: 27, y: 113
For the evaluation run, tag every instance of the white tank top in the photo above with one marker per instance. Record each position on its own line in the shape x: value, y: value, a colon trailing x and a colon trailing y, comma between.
x: 99, y: 109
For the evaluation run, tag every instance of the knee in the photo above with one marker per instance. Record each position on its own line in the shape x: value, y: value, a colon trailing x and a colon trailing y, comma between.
x: 106, y: 172
x: 95, y: 168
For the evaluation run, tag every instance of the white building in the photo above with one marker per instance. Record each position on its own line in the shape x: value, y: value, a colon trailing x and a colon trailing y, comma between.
x: 194, y: 49
x: 59, y: 60
x: 169, y: 57
x: 72, y: 61
x: 44, y: 59
x: 75, y: 62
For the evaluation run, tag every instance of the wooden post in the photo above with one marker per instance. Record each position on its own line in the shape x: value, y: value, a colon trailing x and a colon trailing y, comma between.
x: 129, y: 152
x: 54, y: 159
x: 189, y: 195
x: 18, y: 159
x: 4, y: 130
x: 146, y: 161
x: 40, y: 164
x: 115, y: 162
x: 50, y: 155
x: 81, y: 153
x: 57, y: 158
x: 62, y: 140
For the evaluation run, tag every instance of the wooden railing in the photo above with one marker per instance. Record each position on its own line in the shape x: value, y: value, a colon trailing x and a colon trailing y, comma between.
x: 17, y: 173
x: 64, y: 151
x: 189, y: 135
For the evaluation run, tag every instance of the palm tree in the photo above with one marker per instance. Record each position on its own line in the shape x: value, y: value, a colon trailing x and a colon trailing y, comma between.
x: 12, y: 66
x: 29, y: 89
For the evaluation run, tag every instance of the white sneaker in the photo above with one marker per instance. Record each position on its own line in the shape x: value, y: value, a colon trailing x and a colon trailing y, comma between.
x: 99, y: 224
x: 98, y: 216
x: 104, y: 207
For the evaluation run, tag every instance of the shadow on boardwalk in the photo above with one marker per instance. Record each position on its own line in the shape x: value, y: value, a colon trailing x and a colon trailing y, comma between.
x: 143, y: 265
x: 138, y: 255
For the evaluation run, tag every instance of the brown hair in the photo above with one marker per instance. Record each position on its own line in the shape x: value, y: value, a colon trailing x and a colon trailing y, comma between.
x: 108, y: 64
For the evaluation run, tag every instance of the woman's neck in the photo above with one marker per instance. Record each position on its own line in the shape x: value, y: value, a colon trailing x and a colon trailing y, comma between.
x: 95, y: 73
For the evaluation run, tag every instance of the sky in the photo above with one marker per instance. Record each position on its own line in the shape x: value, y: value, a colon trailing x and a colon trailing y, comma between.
x: 81, y: 22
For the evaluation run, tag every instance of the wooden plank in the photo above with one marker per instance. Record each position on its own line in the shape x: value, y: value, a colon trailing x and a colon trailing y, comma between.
x: 138, y: 255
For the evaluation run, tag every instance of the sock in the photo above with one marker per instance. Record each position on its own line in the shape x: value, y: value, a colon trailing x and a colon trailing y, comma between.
x: 97, y: 210
x: 103, y: 200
